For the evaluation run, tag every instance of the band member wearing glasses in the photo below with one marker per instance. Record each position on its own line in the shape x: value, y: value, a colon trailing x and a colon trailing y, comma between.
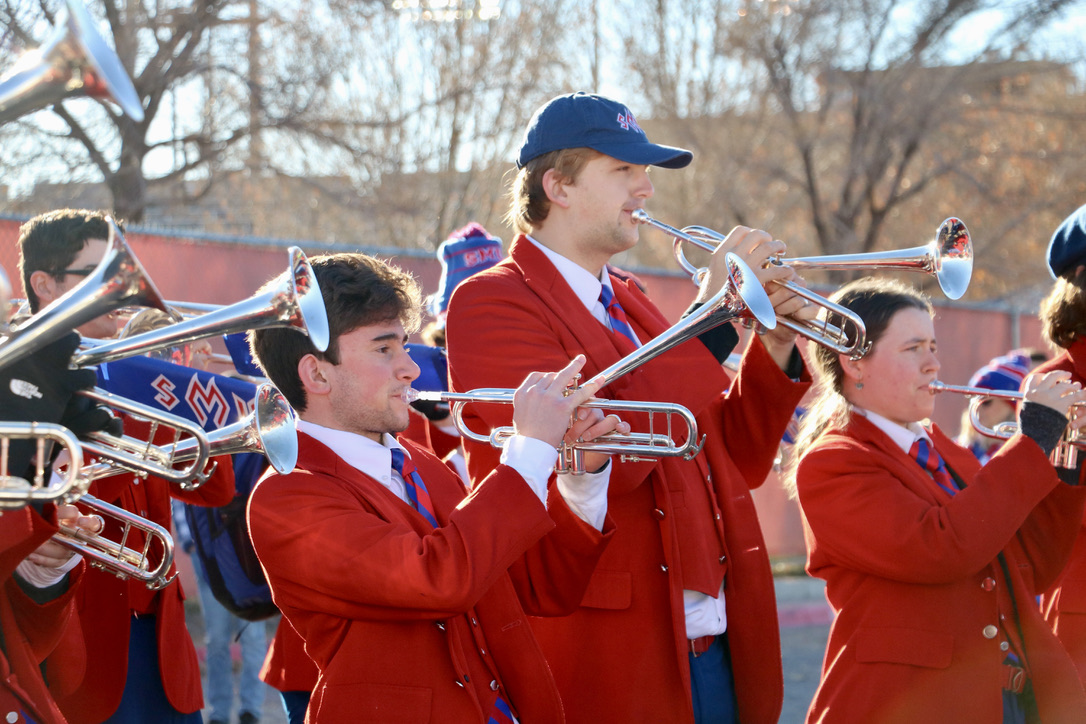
x: 932, y: 561
x: 141, y: 665
x: 1063, y: 317
x: 409, y: 592
x: 679, y: 621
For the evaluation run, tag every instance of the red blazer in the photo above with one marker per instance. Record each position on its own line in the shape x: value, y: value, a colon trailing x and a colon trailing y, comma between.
x: 30, y: 631
x: 1064, y: 605
x: 408, y: 623
x: 287, y: 667
x: 105, y: 604
x: 623, y: 655
x: 914, y: 578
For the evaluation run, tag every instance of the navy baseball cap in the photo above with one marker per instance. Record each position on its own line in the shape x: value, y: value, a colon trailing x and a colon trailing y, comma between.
x: 1067, y: 249
x: 583, y: 120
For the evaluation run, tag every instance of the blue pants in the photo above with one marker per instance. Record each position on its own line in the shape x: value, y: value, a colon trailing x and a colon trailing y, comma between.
x: 294, y: 704
x: 221, y: 628
x: 711, y: 686
x: 144, y: 700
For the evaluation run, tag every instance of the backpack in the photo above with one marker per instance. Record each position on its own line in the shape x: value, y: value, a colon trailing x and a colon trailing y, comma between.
x: 224, y: 550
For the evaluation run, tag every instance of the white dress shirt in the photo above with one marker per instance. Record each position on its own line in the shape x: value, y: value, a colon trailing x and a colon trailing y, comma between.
x: 705, y: 615
x: 532, y: 458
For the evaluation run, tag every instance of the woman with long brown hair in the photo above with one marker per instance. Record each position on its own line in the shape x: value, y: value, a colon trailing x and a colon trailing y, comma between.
x: 932, y: 561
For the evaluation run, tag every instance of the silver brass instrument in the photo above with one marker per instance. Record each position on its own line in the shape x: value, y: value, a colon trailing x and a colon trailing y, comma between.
x: 118, y: 280
x: 130, y: 454
x: 633, y: 447
x: 1066, y: 453
x: 149, y: 563
x: 295, y: 301
x: 741, y: 295
x: 949, y: 256
x: 850, y: 338
x: 73, y: 61
x: 16, y: 491
x: 270, y: 429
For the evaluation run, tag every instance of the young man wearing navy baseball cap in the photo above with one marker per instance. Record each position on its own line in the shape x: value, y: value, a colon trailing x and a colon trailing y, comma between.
x: 1063, y: 321
x: 652, y: 639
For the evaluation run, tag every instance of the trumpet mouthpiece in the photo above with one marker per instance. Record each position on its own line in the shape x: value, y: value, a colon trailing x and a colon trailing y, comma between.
x: 410, y: 394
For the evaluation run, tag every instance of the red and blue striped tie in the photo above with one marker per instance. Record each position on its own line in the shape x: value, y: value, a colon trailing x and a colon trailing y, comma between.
x: 501, y: 713
x: 619, y: 323
x: 930, y: 460
x: 416, y: 489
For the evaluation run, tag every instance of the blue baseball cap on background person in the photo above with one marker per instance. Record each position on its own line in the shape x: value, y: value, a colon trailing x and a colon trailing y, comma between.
x: 467, y: 251
x: 583, y: 120
x: 1004, y: 373
x: 1067, y: 248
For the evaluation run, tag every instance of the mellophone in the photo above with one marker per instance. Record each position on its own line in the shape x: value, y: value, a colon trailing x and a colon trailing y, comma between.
x: 295, y: 301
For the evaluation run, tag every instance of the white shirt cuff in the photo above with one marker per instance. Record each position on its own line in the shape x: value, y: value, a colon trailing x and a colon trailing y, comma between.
x: 42, y: 577
x: 533, y: 459
x: 586, y: 495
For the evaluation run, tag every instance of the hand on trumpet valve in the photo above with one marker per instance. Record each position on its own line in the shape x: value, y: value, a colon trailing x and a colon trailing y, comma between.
x: 54, y: 555
x: 1057, y: 391
x: 545, y: 401
x: 753, y: 246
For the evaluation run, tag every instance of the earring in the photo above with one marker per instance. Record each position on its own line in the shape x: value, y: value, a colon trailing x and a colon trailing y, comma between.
x: 860, y: 385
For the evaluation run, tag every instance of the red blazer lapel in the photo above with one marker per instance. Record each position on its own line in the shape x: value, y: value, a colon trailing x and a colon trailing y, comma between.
x: 600, y: 345
x: 316, y: 457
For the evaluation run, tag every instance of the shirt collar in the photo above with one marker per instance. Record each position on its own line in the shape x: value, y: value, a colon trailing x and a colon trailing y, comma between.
x: 361, y: 453
x: 903, y: 435
x: 586, y: 286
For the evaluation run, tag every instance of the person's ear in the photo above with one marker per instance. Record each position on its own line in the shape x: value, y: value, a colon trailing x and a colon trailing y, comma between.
x: 312, y: 373
x: 554, y: 186
x: 44, y: 286
x: 853, y: 370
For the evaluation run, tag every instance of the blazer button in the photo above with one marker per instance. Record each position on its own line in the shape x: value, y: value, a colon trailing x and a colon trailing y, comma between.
x: 1004, y: 646
x: 494, y: 685
x: 440, y: 624
x: 458, y: 683
x: 12, y: 717
x: 663, y: 567
x: 722, y: 559
x: 990, y: 631
x: 660, y: 515
x: 988, y: 584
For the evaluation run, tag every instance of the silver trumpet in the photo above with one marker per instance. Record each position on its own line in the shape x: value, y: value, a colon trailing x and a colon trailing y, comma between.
x: 949, y: 257
x: 294, y: 301
x: 633, y: 447
x: 1066, y: 453
x: 849, y: 338
x: 270, y: 429
x: 16, y: 491
x: 119, y: 280
x: 73, y: 61
x: 130, y: 454
x: 149, y: 563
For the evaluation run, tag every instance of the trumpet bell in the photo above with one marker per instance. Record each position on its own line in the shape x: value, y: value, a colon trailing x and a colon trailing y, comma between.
x: 952, y: 258
x: 119, y: 280
x: 949, y: 256
x: 74, y: 61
